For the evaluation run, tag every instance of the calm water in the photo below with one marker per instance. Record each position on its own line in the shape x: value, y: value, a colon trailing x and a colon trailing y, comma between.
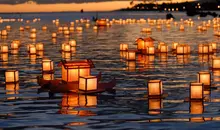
x: 129, y: 108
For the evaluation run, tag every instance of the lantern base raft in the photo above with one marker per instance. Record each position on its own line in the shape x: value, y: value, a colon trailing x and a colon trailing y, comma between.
x: 59, y: 86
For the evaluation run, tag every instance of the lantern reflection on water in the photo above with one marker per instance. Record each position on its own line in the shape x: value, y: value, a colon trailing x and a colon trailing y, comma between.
x: 72, y: 43
x: 73, y: 69
x: 203, y: 58
x: 54, y: 35
x: 196, y: 107
x: 48, y: 76
x: 204, y: 77
x: 131, y: 55
x: 87, y: 83
x: 216, y: 63
x: 131, y: 66
x: 11, y: 76
x: 155, y: 88
x: 154, y: 106
x: 196, y: 91
x: 4, y: 48
x: 183, y: 59
x: 4, y: 57
x: 39, y: 46
x: 123, y: 47
x: 11, y: 89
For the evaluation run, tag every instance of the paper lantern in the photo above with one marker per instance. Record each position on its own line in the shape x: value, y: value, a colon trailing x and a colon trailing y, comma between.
x: 66, y: 47
x: 140, y: 43
x: 47, y: 65
x: 70, y: 75
x: 87, y: 83
x: 32, y: 50
x: 72, y: 43
x: 216, y: 63
x: 150, y: 50
x: 11, y: 76
x: 203, y: 48
x: 48, y: 76
x: 148, y: 42
x: 214, y: 45
x: 4, y: 57
x: 196, y: 91
x: 155, y: 88
x: 154, y: 106
x: 71, y: 23
x: 44, y: 28
x: 160, y: 44
x: 79, y: 29
x: 71, y: 29
x: 66, y: 32
x: 14, y: 45
x: 66, y: 55
x: 60, y: 29
x: 33, y: 35
x: 33, y: 30
x: 182, y: 28
x: 123, y: 47
x: 65, y: 28
x: 131, y: 55
x: 163, y: 48
x: 182, y: 49
x: 4, y: 49
x: 39, y: 46
x: 95, y: 28
x: 204, y: 77
x: 4, y: 33
x: 21, y: 29
x: 8, y: 27
x: 174, y: 45
x: 54, y: 35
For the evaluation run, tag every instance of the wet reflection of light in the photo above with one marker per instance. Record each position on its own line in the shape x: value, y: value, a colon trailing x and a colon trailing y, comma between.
x: 12, y: 88
x: 183, y: 59
x: 48, y: 76
x: 154, y: 106
x: 33, y: 59
x: 196, y: 107
x: 131, y: 66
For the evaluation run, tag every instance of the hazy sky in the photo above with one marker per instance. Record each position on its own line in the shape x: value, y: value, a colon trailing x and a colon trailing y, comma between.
x: 63, y: 5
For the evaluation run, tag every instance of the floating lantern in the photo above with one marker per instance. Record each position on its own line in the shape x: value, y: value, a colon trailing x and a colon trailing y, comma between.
x: 21, y: 29
x: 147, y: 30
x: 131, y: 55
x: 204, y: 48
x: 79, y: 29
x: 196, y: 91
x: 174, y: 45
x: 154, y: 106
x: 32, y: 50
x: 71, y: 29
x: 101, y: 22
x: 204, y: 77
x: 8, y: 27
x: 4, y: 48
x: 4, y: 57
x: 27, y: 27
x: 60, y: 29
x: 65, y: 28
x: 71, y: 23
x: 216, y: 63
x: 140, y: 43
x: 155, y: 88
x: 123, y: 47
x: 160, y: 44
x: 182, y: 28
x: 95, y: 28
x: 39, y: 47
x: 48, y: 76
x: 11, y: 76
x: 87, y: 83
x: 66, y: 47
x: 182, y: 49
x: 54, y: 35
x: 33, y: 35
x: 66, y: 32
x: 47, y: 65
x: 163, y: 48
x: 150, y: 50
x: 44, y: 28
x: 33, y: 30
x: 73, y: 69
x: 4, y: 33
x: 148, y: 42
x: 72, y: 43
x: 14, y: 45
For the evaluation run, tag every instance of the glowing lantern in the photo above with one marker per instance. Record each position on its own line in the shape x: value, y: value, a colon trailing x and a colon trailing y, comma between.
x: 60, y: 29
x: 66, y: 47
x: 154, y: 106
x: 196, y: 91
x: 65, y: 28
x: 140, y: 43
x: 95, y: 27
x: 214, y: 45
x: 11, y: 76
x: 155, y: 88
x: 203, y: 48
x: 14, y: 45
x: 163, y: 48
x: 4, y: 33
x: 79, y: 29
x: 131, y: 55
x: 8, y: 27
x: 47, y: 65
x: 33, y: 35
x: 160, y: 44
x: 21, y: 29
x: 44, y: 28
x: 48, y: 76
x: 150, y: 50
x: 72, y: 43
x: 33, y: 30
x: 148, y: 42
x: 39, y: 47
x: 71, y: 23
x: 87, y: 83
x: 174, y: 45
x: 216, y: 63
x: 54, y: 35
x: 123, y: 47
x: 66, y: 32
x: 182, y: 49
x: 73, y: 69
x: 4, y: 57
x: 32, y: 50
x: 101, y: 22
x: 71, y: 29
x: 182, y: 28
x: 4, y: 49
x: 205, y: 78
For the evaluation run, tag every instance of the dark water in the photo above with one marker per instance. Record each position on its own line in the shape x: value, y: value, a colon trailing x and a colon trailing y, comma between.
x: 24, y: 108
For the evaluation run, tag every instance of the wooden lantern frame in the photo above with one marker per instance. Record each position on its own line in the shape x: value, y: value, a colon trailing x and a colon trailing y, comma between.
x: 86, y: 80
x: 196, y: 84
x: 15, y: 78
x: 160, y: 89
x: 204, y: 72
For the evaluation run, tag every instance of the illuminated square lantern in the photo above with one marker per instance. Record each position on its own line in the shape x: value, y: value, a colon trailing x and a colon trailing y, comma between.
x: 32, y: 50
x: 79, y: 29
x: 163, y: 48
x: 40, y: 46
x: 4, y: 57
x: 216, y: 63
x: 47, y: 76
x: 203, y: 49
x: 66, y: 32
x: 214, y: 45
x: 140, y: 43
x: 14, y: 45
x: 148, y: 42
x: 196, y: 91
x: 72, y: 70
x: 66, y: 47
x: 174, y: 45
x: 150, y: 50
x: 155, y: 88
x: 160, y: 44
x: 21, y: 29
x: 131, y: 55
x: 87, y: 83
x: 33, y: 35
x: 123, y: 47
x: 182, y: 49
x: 54, y: 35
x: 4, y: 33
x: 72, y: 43
x: 196, y: 107
x: 11, y: 76
x: 71, y: 29
x: 44, y: 28
x: 47, y: 65
x: 154, y: 106
x: 33, y: 30
x: 205, y: 78
x: 182, y: 28
x: 4, y: 49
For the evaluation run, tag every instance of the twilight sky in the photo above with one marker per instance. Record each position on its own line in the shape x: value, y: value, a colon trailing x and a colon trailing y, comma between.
x: 64, y: 5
